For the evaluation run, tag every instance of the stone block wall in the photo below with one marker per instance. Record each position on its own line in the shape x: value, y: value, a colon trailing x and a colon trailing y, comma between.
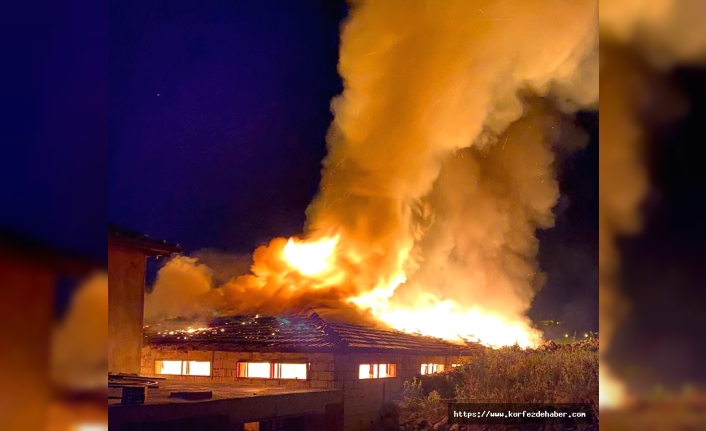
x: 362, y: 398
x: 223, y: 366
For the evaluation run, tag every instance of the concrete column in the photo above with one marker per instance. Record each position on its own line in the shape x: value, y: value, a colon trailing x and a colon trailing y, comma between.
x: 126, y: 297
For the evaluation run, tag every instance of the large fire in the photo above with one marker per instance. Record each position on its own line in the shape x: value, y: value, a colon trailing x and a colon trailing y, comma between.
x: 310, y: 258
x: 433, y: 316
x: 440, y: 169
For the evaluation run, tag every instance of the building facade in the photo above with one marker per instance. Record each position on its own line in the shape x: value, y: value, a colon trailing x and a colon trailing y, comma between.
x: 368, y: 365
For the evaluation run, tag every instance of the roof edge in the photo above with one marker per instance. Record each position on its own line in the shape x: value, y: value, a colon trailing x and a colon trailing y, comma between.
x: 127, y: 238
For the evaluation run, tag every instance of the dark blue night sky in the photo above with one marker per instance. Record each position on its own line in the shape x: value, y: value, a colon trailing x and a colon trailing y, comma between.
x: 53, y: 117
x: 218, y: 117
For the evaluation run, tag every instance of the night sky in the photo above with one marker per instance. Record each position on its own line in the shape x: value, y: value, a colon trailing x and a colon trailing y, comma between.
x: 663, y: 273
x: 218, y: 117
x: 568, y: 252
x: 53, y: 118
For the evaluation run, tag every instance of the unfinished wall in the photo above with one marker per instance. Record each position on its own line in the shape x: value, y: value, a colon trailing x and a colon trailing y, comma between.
x: 126, y: 296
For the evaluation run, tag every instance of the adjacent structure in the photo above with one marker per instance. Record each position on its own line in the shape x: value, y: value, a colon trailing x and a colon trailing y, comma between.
x: 127, y: 260
x: 300, y: 352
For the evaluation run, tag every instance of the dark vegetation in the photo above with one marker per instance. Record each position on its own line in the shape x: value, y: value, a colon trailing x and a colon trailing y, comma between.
x: 554, y: 373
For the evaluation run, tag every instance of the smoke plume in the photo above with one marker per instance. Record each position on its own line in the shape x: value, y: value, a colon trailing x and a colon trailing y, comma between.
x: 440, y: 163
x: 423, y: 81
x: 479, y: 246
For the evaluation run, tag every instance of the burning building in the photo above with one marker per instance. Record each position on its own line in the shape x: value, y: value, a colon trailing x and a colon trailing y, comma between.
x: 441, y: 167
x: 283, y: 371
x: 440, y: 170
x: 367, y: 365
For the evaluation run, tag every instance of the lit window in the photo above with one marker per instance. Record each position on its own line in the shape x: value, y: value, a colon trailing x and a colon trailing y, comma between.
x: 290, y: 371
x: 432, y: 368
x: 456, y: 365
x: 388, y: 370
x: 270, y: 370
x: 198, y: 368
x: 377, y: 371
x: 172, y: 368
x: 183, y: 368
x: 257, y: 370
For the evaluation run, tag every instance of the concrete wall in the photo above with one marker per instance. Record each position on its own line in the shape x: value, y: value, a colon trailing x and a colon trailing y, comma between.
x: 126, y: 296
x: 319, y: 410
x: 223, y: 366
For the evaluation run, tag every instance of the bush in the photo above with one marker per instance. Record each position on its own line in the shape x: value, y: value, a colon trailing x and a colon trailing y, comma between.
x: 567, y: 374
x: 513, y: 375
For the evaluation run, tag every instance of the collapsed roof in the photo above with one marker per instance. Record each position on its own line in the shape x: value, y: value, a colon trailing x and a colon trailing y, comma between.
x: 295, y: 333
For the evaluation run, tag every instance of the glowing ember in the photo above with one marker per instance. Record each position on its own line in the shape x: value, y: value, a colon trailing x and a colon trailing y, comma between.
x: 195, y: 330
x: 188, y: 330
x: 310, y: 258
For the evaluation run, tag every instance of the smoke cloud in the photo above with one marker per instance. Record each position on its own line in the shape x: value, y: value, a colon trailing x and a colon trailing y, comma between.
x: 440, y: 165
x: 184, y: 288
x: 479, y: 248
x: 188, y: 288
x: 424, y: 80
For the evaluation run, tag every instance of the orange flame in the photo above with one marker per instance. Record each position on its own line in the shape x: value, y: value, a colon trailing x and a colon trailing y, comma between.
x: 310, y: 258
x: 429, y: 315
x: 446, y: 319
